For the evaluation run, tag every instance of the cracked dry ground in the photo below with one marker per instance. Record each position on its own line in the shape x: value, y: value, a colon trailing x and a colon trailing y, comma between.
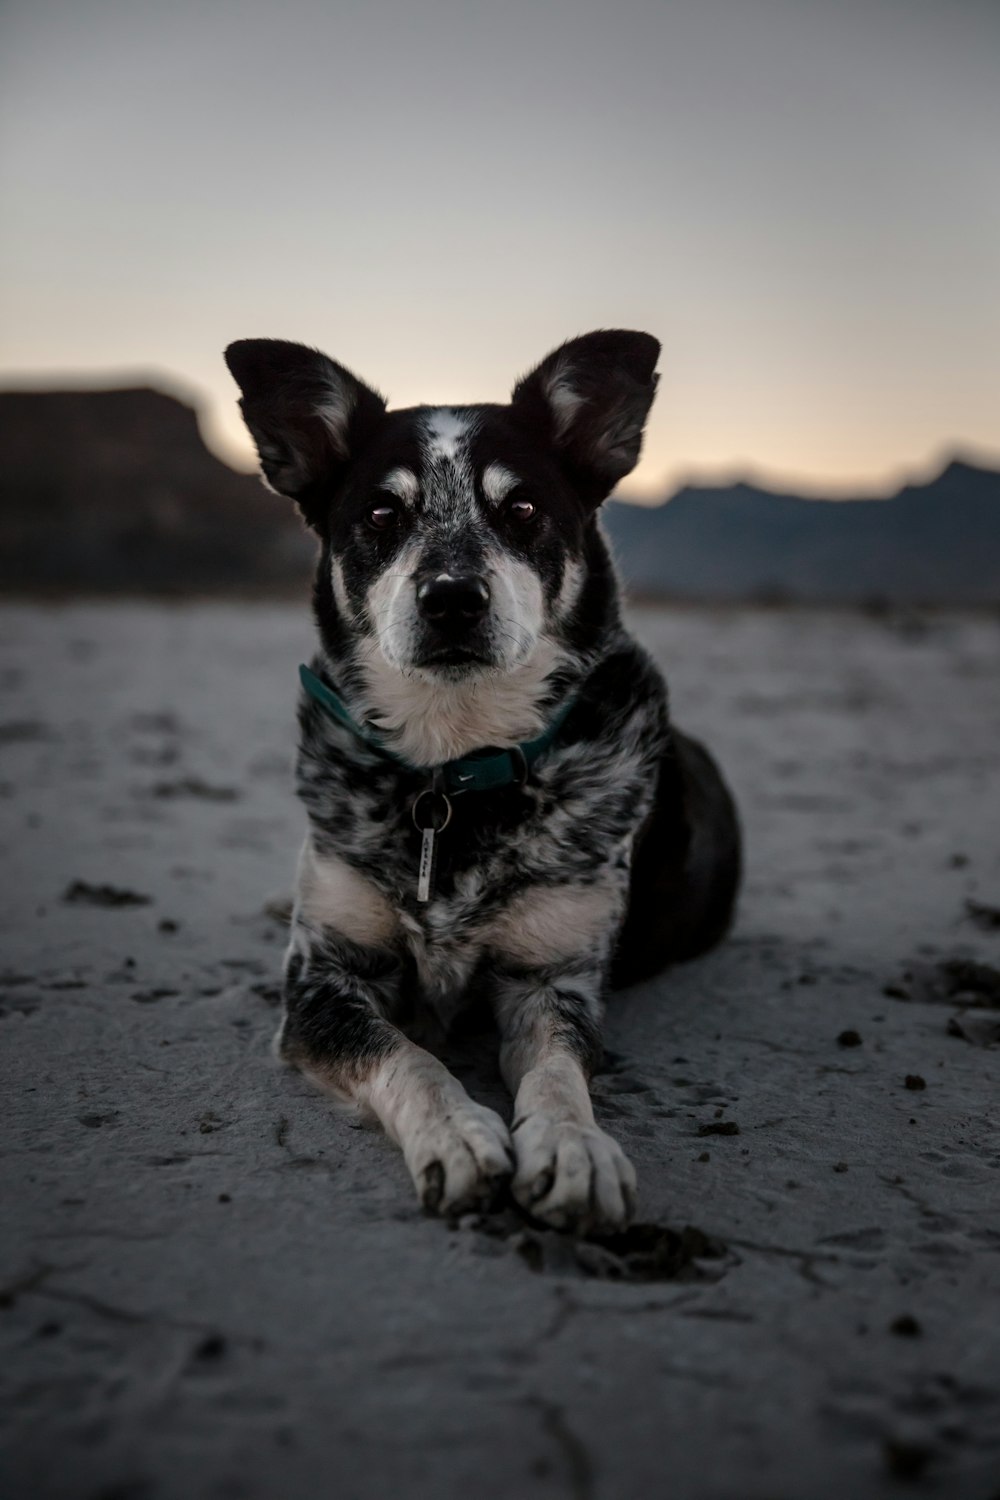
x: 212, y: 1285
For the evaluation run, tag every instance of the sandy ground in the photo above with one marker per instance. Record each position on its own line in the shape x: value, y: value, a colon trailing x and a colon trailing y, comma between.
x: 212, y: 1285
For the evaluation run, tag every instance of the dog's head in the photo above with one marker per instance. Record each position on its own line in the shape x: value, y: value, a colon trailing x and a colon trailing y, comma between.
x: 452, y: 536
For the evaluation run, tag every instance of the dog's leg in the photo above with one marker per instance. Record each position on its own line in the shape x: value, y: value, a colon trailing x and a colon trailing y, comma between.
x: 336, y: 1032
x: 548, y: 1002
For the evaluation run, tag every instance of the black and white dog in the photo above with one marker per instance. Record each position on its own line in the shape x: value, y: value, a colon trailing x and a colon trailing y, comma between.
x: 499, y: 808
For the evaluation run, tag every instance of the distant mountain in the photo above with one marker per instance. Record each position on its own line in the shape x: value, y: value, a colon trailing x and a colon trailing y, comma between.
x: 936, y: 543
x: 114, y: 491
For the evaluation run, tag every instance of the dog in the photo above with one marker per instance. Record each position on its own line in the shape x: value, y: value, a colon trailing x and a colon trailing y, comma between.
x: 499, y: 808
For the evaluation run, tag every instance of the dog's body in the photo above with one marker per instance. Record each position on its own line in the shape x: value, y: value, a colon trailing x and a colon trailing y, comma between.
x: 465, y: 599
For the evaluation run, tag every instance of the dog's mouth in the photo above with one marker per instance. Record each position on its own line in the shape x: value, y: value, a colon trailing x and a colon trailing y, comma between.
x: 454, y: 658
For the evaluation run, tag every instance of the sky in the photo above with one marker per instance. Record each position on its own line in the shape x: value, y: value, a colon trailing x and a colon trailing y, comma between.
x: 800, y: 198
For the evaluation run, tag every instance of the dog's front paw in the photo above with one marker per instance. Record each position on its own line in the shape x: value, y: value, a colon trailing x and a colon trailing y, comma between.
x: 460, y: 1159
x: 572, y: 1176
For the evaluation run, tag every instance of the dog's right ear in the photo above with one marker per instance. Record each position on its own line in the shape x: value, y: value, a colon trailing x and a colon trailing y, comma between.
x: 590, y: 399
x: 308, y: 416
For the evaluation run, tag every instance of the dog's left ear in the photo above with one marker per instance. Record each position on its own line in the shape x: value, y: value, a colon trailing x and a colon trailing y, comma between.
x: 308, y: 416
x: 590, y: 398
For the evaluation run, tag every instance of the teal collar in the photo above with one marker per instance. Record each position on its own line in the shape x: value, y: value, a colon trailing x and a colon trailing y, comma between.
x: 482, y: 771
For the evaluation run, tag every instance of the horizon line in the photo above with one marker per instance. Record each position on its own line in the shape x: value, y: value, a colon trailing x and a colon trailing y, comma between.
x: 727, y: 475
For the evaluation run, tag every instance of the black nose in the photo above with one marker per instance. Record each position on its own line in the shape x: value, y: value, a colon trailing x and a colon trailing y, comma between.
x: 453, y: 601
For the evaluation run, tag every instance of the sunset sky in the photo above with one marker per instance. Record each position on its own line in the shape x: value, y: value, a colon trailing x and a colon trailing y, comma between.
x: 802, y: 200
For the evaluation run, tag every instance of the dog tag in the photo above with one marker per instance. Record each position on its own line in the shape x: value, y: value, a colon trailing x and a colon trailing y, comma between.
x: 431, y: 814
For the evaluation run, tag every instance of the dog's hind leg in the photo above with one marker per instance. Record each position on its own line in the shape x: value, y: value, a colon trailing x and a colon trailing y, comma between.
x: 685, y: 869
x: 569, y: 1173
x: 336, y: 1032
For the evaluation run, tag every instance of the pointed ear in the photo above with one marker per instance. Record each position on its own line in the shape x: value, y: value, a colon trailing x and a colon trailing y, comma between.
x: 591, y: 398
x: 308, y: 416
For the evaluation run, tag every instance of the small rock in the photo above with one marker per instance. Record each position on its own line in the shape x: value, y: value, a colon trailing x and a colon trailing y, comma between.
x: 82, y: 893
x: 914, y: 1081
x: 986, y: 918
x: 906, y: 1460
x: 279, y: 908
x: 212, y: 1347
x: 849, y: 1039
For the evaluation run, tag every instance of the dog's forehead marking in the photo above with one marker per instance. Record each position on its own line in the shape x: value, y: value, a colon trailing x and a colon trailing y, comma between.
x: 448, y: 483
x: 445, y: 434
x: 498, y: 481
x: 402, y: 483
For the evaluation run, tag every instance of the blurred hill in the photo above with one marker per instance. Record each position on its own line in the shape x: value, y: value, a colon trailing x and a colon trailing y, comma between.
x: 935, y: 543
x: 114, y: 491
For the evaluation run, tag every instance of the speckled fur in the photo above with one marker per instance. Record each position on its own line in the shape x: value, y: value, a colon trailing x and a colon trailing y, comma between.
x: 535, y: 888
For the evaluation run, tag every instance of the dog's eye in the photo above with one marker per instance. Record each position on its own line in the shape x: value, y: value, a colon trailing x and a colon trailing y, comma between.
x: 520, y: 510
x: 382, y: 517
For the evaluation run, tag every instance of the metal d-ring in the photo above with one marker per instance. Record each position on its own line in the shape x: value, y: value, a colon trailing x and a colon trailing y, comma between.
x: 432, y: 793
